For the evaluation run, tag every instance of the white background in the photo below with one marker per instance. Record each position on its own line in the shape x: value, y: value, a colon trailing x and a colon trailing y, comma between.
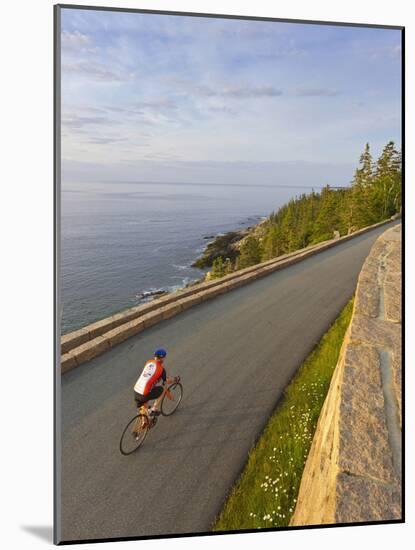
x: 26, y: 274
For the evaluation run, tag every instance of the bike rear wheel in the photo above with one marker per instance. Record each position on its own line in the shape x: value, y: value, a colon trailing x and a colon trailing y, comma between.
x: 171, y: 399
x: 134, y: 434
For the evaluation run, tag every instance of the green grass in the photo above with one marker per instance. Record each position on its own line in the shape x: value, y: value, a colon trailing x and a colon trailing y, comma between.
x: 266, y: 492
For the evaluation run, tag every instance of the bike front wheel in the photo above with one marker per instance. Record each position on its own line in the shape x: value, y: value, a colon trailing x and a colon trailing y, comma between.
x: 134, y: 434
x: 171, y: 399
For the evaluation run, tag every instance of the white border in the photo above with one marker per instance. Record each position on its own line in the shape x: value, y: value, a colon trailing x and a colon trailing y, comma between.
x: 27, y: 256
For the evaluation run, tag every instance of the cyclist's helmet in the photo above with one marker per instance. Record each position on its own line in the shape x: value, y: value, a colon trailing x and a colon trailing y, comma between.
x: 160, y: 353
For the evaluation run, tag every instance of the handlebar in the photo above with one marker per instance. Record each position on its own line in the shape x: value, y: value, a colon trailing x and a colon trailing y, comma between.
x: 174, y: 380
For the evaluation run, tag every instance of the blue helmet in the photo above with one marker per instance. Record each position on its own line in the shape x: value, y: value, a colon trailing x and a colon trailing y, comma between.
x: 160, y: 353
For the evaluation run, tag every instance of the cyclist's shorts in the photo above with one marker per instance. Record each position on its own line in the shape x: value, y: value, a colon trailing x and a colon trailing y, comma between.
x: 153, y: 394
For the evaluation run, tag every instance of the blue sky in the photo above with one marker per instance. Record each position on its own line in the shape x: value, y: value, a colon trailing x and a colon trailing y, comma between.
x: 164, y: 98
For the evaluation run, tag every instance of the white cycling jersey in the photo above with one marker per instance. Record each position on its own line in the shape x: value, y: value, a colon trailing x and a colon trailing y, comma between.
x: 152, y: 372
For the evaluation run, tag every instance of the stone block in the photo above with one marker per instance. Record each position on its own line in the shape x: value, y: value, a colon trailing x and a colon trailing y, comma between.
x: 367, y: 296
x: 152, y: 318
x: 363, y: 435
x: 393, y: 278
x: 211, y: 293
x: 74, y: 339
x: 99, y: 327
x: 375, y: 332
x: 360, y: 499
x: 90, y: 349
x: 393, y: 304
x: 171, y: 309
x: 125, y: 331
x: 395, y: 258
x: 68, y: 362
x: 186, y: 303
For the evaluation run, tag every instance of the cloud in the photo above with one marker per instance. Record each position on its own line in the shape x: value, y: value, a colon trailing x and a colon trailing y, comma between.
x: 393, y: 51
x: 151, y: 111
x: 237, y: 92
x: 105, y: 140
x: 222, y: 109
x: 76, y: 122
x: 316, y: 92
x: 75, y: 41
x: 158, y: 103
x: 260, y: 91
x: 96, y: 71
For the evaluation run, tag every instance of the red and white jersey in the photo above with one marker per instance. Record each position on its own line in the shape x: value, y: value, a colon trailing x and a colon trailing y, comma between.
x: 152, y: 372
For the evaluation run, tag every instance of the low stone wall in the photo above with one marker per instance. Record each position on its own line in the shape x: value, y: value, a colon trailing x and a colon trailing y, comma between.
x: 86, y: 343
x: 353, y: 470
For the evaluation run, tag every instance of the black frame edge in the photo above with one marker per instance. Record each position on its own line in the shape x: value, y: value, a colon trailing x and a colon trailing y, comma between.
x: 227, y: 16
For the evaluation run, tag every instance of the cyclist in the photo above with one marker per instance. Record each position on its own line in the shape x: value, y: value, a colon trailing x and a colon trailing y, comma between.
x: 146, y: 388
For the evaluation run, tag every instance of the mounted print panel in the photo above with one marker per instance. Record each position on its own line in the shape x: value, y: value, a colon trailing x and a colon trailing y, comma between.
x: 229, y: 274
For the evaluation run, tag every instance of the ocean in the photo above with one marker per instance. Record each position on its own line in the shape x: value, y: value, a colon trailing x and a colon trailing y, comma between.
x: 121, y: 241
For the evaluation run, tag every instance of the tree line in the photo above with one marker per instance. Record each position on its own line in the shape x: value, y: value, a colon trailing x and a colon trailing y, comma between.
x: 375, y: 194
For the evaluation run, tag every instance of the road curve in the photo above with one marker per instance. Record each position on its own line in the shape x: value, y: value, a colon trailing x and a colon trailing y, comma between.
x: 235, y: 355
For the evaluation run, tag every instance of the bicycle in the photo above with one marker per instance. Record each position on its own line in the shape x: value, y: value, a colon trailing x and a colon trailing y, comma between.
x: 138, y: 427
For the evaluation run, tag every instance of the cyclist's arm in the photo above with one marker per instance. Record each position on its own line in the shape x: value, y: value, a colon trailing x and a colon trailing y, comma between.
x: 166, y: 379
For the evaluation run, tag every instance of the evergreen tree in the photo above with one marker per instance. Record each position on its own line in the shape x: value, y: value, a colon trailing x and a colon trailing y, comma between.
x: 328, y: 219
x: 227, y: 267
x: 361, y: 215
x: 218, y: 270
x: 250, y: 253
x: 387, y: 182
x: 271, y: 246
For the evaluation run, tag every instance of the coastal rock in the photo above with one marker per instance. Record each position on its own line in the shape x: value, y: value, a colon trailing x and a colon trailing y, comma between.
x: 227, y: 245
x: 223, y: 245
x: 149, y: 294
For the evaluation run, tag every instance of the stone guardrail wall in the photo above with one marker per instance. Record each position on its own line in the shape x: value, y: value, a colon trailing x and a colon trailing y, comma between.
x: 353, y: 470
x: 86, y: 343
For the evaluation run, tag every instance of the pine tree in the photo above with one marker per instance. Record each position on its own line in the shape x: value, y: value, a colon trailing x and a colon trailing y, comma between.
x: 227, y: 267
x: 328, y: 219
x: 387, y: 182
x: 217, y: 268
x: 361, y: 213
x: 271, y: 246
x: 250, y: 253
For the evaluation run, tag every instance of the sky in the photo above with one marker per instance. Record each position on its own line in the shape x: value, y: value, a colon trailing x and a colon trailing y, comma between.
x: 149, y: 97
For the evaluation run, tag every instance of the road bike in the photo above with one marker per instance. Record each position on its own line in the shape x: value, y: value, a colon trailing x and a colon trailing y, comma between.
x: 138, y: 427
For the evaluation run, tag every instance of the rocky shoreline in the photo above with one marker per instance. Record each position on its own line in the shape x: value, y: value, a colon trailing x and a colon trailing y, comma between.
x: 226, y: 245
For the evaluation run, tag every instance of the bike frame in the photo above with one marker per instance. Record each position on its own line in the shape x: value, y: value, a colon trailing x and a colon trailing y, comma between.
x: 144, y: 408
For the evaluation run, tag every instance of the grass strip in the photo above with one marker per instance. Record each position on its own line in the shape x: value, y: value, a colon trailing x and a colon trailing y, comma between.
x: 266, y: 492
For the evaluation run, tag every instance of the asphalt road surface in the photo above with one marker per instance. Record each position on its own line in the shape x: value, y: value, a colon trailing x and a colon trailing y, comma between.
x: 235, y: 355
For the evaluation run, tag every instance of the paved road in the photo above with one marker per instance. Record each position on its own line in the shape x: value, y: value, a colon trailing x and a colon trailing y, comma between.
x: 235, y: 355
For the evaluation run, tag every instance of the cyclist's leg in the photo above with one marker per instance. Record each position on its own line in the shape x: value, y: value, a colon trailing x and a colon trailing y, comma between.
x: 155, y: 395
x: 140, y: 401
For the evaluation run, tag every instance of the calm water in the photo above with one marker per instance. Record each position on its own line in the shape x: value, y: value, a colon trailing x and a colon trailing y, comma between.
x: 119, y: 240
